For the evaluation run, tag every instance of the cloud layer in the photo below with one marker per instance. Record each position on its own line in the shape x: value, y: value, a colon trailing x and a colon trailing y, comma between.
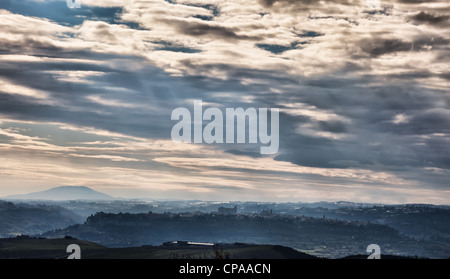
x: 86, y: 96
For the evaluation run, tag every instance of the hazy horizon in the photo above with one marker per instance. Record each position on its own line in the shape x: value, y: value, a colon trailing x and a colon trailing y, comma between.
x: 86, y: 96
x: 118, y: 198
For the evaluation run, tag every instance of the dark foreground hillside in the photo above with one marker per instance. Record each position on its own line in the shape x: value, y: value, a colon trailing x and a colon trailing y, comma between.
x: 39, y: 248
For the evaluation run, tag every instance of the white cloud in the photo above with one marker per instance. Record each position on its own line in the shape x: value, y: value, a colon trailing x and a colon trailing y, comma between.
x: 314, y: 113
x: 401, y: 119
x: 16, y: 89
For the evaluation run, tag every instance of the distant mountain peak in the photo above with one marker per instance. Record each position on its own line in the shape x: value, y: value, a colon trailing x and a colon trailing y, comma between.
x: 64, y: 193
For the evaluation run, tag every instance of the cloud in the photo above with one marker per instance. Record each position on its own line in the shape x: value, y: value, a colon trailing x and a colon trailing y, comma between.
x: 380, y: 46
x: 200, y: 29
x: 304, y: 4
x: 362, y: 92
x: 423, y: 17
x: 417, y: 1
x: 15, y: 89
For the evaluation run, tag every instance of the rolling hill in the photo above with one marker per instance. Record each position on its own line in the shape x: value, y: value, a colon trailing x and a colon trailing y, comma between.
x: 20, y: 218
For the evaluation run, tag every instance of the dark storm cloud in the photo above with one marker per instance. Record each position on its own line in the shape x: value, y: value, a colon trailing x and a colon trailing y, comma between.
x: 423, y: 17
x: 313, y: 152
x: 306, y: 3
x: 337, y: 8
x: 204, y: 29
x: 379, y: 46
x: 418, y: 1
x: 270, y: 3
x: 373, y: 137
x: 333, y: 126
x: 27, y: 46
x: 431, y: 121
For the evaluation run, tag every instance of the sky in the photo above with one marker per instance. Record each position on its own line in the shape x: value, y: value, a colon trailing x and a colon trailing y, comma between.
x: 362, y: 88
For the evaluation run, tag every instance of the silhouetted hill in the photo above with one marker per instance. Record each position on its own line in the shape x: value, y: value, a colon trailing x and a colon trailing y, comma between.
x: 386, y: 257
x: 35, y: 248
x: 16, y: 219
x: 64, y: 193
